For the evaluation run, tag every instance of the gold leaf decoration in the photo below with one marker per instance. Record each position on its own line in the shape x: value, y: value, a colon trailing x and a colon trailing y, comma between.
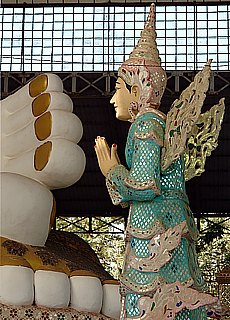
x: 203, y: 139
x: 183, y: 115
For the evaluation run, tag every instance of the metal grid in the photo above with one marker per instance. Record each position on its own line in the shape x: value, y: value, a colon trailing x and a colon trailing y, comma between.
x: 99, y: 38
x: 190, y: 35
x: 92, y: 2
x: 91, y: 225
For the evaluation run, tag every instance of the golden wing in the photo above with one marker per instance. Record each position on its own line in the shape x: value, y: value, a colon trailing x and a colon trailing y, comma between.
x: 203, y: 139
x: 183, y: 115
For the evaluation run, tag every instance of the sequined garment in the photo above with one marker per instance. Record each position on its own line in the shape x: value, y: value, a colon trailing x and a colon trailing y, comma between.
x: 161, y: 231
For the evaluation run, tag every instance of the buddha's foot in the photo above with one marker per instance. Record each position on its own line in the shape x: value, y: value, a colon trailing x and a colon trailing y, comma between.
x: 35, y: 275
x: 20, y: 285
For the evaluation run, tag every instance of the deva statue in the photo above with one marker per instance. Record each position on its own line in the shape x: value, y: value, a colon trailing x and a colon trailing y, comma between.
x: 161, y: 278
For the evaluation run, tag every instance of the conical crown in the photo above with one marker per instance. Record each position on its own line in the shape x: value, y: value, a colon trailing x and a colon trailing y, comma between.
x: 146, y: 47
x: 143, y: 67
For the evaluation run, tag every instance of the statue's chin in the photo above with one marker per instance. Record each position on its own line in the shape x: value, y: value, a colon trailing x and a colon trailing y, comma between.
x: 24, y: 217
x: 122, y: 117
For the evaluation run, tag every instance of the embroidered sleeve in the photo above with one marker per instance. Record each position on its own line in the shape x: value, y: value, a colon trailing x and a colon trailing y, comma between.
x: 114, y: 181
x: 142, y: 181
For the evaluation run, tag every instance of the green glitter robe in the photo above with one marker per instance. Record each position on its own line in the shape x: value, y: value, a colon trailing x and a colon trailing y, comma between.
x: 157, y: 201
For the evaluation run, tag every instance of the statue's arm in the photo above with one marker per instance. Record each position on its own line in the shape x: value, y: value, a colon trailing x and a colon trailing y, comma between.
x: 142, y: 181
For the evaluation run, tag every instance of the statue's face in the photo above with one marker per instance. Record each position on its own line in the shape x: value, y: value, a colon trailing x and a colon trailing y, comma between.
x: 121, y: 100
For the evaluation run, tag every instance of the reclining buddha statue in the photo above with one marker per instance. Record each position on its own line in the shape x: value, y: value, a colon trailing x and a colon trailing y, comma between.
x: 161, y: 278
x: 39, y: 153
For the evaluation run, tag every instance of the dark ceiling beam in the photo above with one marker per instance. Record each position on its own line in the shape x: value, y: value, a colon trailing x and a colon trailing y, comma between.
x: 88, y: 84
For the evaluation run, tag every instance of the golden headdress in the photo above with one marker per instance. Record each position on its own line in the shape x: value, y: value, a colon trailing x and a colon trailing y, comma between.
x: 143, y: 66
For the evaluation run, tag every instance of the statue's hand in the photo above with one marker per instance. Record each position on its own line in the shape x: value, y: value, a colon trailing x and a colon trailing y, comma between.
x: 106, y: 157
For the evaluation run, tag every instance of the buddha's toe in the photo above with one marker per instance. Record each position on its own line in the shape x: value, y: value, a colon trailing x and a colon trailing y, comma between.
x: 111, y: 306
x: 52, y: 289
x: 45, y: 82
x: 51, y: 157
x: 86, y: 292
x: 16, y: 284
x: 58, y: 124
x: 47, y: 101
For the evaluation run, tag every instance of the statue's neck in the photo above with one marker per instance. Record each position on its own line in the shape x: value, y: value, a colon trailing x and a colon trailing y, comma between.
x: 148, y: 107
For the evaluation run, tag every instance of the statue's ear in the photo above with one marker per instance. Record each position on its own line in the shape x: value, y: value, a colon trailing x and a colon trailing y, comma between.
x: 135, y: 90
